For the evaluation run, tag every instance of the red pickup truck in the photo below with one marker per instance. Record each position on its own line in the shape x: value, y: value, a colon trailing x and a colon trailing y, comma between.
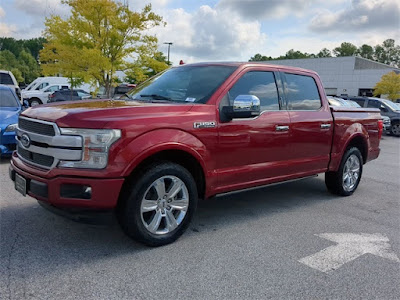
x: 192, y: 132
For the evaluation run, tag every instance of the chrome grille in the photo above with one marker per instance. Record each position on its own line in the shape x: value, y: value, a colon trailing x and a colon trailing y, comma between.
x: 36, y: 127
x: 43, y: 145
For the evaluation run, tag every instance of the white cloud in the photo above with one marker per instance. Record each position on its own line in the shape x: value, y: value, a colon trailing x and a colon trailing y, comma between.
x: 360, y: 16
x: 2, y: 12
x: 209, y: 34
x: 42, y: 8
x: 261, y: 9
x: 6, y: 30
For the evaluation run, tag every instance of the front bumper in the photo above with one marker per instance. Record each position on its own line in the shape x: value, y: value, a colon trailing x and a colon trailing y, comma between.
x: 7, y: 143
x: 71, y: 192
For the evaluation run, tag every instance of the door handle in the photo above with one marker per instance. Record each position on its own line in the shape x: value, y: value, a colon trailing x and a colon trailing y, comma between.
x: 325, y: 126
x: 281, y: 128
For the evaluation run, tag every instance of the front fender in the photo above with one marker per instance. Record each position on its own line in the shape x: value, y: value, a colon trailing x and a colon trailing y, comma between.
x: 342, y: 139
x: 155, y: 141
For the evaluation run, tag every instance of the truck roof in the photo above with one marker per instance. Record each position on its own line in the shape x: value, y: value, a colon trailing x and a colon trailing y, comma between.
x: 248, y: 64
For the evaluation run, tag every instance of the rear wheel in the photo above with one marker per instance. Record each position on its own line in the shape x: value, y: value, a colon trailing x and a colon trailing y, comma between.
x: 158, y: 207
x: 396, y: 129
x: 345, y: 181
x: 34, y: 102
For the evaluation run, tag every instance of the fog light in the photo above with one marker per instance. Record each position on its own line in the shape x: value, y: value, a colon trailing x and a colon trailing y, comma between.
x: 75, y: 191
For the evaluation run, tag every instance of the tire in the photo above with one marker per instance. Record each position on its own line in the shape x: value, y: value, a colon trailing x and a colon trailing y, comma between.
x: 395, y: 130
x: 345, y: 180
x: 149, y: 214
x: 34, y: 102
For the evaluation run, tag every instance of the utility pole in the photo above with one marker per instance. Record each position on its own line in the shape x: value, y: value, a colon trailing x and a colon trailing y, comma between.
x: 169, y: 46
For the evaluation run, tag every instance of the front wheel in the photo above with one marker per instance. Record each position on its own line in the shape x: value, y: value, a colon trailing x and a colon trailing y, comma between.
x: 395, y: 130
x: 345, y: 181
x: 34, y: 102
x: 157, y: 208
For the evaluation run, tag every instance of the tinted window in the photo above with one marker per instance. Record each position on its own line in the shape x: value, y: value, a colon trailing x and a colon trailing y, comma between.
x: 360, y: 102
x: 7, y: 99
x: 6, y: 79
x: 260, y: 84
x: 373, y: 104
x: 53, y: 88
x: 183, y: 84
x: 302, y: 92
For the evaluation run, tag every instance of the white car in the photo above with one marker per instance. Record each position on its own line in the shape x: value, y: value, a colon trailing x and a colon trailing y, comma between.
x: 37, y: 97
x: 7, y: 78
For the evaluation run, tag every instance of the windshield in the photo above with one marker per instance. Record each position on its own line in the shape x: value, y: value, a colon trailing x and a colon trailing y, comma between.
x: 392, y: 105
x: 7, y: 99
x: 191, y: 84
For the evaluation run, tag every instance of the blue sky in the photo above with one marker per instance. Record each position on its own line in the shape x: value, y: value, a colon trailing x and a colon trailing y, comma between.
x: 210, y: 30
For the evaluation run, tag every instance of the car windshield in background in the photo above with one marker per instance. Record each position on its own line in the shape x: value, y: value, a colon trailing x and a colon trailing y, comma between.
x: 392, y: 105
x: 7, y: 99
x: 191, y: 84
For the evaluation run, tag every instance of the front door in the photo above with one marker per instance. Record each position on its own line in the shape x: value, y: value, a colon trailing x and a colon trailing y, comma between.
x: 253, y: 151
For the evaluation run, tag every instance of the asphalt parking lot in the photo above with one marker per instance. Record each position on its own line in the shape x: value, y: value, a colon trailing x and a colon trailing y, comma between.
x: 290, y: 241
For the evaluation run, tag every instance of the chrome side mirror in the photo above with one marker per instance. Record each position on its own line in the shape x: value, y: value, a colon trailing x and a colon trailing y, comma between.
x: 244, y: 106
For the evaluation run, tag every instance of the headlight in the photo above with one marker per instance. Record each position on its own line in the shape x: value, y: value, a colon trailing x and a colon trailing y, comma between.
x: 11, y: 127
x: 96, y: 144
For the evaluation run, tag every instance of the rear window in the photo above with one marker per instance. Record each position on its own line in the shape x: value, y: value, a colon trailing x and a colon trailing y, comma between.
x: 302, y: 92
x: 6, y: 79
x: 7, y: 98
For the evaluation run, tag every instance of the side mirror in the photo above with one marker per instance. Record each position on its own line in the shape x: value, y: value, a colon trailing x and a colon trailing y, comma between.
x: 244, y: 106
x: 384, y: 109
x: 25, y: 104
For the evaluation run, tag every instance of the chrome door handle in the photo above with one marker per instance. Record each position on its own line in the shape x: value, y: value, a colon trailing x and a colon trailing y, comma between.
x: 325, y: 126
x: 282, y: 128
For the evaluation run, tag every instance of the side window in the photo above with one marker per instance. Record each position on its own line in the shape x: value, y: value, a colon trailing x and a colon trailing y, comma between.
x: 373, y: 104
x: 6, y: 79
x: 53, y: 88
x: 260, y: 84
x: 360, y: 102
x: 301, y: 92
x: 42, y: 86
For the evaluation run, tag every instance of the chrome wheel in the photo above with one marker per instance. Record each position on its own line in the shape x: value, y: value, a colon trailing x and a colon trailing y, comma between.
x: 351, y: 173
x: 164, y: 205
x: 34, y: 103
x: 396, y: 129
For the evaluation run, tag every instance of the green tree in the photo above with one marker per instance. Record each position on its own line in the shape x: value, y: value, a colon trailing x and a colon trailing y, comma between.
x: 345, y: 49
x: 324, y: 53
x: 9, y: 62
x: 366, y: 51
x: 388, y: 53
x: 388, y: 85
x: 259, y: 57
x: 28, y: 66
x: 95, y: 41
x: 145, y: 67
x: 292, y: 54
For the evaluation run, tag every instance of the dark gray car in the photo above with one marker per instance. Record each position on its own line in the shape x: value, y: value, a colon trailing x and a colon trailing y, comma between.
x: 67, y: 95
x: 387, y: 108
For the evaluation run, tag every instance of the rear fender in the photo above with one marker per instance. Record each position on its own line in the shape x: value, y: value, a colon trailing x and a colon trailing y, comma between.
x: 355, y: 133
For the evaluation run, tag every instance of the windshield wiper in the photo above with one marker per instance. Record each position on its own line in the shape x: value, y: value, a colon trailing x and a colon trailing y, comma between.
x: 127, y: 95
x: 156, y: 97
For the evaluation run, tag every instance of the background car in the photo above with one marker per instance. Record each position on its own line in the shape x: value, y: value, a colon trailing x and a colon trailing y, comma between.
x: 7, y: 78
x: 336, y: 101
x: 387, y: 108
x: 122, y: 89
x: 68, y: 95
x: 10, y: 108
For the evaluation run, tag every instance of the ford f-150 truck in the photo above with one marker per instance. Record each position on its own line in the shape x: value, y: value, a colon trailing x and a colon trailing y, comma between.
x: 192, y: 132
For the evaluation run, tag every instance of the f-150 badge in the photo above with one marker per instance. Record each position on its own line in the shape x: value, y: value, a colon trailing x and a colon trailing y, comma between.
x: 204, y: 124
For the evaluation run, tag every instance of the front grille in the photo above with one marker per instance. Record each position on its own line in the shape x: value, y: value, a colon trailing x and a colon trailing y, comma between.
x: 36, y: 158
x: 36, y: 127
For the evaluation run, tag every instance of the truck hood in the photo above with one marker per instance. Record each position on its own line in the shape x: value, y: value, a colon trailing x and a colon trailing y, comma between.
x: 97, y: 113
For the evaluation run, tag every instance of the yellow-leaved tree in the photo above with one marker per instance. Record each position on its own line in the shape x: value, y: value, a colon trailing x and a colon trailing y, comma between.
x: 389, y: 85
x: 96, y: 40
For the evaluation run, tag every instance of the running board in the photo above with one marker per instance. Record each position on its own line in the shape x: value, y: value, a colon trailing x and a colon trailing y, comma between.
x: 263, y: 186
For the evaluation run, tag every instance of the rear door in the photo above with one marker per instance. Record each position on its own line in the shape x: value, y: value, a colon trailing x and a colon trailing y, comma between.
x: 311, y: 123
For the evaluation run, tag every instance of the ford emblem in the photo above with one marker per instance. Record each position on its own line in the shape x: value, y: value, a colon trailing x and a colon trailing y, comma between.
x: 25, y: 140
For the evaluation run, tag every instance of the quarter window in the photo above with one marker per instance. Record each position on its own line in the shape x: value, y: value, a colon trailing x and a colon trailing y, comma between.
x: 302, y: 92
x: 260, y: 84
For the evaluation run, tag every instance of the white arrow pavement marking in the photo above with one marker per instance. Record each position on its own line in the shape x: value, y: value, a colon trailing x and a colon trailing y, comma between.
x: 350, y: 246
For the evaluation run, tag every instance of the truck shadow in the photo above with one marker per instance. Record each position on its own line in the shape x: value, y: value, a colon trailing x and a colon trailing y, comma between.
x: 40, y: 241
